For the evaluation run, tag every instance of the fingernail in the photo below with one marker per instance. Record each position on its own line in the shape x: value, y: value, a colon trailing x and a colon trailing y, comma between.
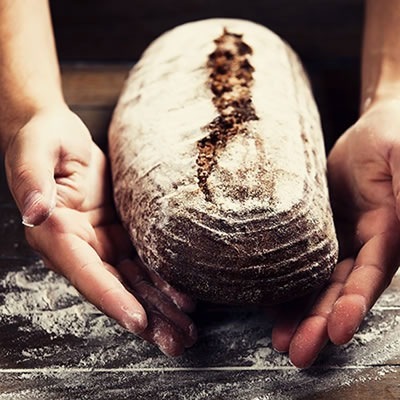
x: 304, y: 366
x: 35, y: 209
x: 296, y: 366
x: 192, y: 336
x: 279, y: 351
x: 193, y: 331
x: 26, y: 223
x: 291, y: 363
x: 31, y: 203
x: 133, y: 321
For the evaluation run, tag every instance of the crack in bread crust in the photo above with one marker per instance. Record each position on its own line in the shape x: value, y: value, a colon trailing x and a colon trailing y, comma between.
x: 230, y: 79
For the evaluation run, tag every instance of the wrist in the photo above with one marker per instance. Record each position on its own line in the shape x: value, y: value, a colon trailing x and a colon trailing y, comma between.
x: 15, y: 119
x: 388, y: 91
x: 381, y: 53
x: 381, y: 103
x: 381, y: 80
x: 380, y: 77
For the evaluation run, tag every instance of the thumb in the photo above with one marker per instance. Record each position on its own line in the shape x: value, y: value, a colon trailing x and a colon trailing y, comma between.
x: 29, y: 162
x: 395, y: 171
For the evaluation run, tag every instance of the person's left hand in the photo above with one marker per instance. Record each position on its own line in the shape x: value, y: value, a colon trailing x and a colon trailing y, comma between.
x: 364, y: 179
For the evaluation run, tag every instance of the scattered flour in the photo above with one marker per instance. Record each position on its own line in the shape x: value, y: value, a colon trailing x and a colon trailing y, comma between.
x: 48, y: 303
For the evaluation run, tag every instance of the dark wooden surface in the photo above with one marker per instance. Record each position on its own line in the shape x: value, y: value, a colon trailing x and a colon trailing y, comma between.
x: 326, y: 34
x: 54, y: 345
x: 92, y: 90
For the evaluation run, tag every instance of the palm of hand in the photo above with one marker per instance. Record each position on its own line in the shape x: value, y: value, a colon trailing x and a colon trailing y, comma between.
x: 83, y: 239
x: 364, y: 178
x: 363, y: 171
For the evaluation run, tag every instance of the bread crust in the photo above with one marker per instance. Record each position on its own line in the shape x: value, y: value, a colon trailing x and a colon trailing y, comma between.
x: 219, y: 166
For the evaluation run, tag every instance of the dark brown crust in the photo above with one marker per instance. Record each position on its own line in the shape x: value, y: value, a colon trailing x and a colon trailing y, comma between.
x: 228, y: 274
x: 258, y: 251
x: 231, y: 76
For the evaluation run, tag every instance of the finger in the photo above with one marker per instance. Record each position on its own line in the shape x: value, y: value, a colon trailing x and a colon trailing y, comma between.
x: 99, y: 166
x: 312, y: 335
x: 163, y: 304
x: 394, y: 161
x: 96, y: 245
x: 81, y: 265
x: 309, y: 340
x: 113, y: 271
x: 30, y: 174
x: 373, y: 270
x: 164, y: 335
x: 112, y: 244
x: 136, y: 279
x: 182, y: 300
x: 47, y: 263
x: 289, y: 318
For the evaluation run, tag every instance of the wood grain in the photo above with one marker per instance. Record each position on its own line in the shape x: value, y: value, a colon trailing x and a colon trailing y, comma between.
x: 199, y: 385
x: 92, y: 91
x: 93, y: 85
x: 233, y: 355
x: 325, y: 33
x: 37, y: 365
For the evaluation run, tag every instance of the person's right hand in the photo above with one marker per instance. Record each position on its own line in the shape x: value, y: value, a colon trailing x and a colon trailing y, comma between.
x: 61, y: 183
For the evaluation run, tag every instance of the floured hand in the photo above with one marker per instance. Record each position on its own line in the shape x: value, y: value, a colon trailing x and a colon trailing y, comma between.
x: 364, y: 177
x: 60, y: 181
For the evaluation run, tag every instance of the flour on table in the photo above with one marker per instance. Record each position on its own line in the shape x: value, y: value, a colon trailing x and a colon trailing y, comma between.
x: 47, y: 302
x: 50, y: 303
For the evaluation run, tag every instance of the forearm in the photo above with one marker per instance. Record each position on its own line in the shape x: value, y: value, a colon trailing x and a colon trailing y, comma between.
x: 381, y: 52
x: 29, y: 72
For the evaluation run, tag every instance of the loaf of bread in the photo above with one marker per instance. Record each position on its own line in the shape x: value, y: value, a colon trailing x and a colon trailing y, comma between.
x: 219, y: 167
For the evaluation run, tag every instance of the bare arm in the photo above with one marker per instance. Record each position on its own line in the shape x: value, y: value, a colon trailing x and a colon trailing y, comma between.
x: 364, y: 179
x: 60, y: 181
x: 381, y: 52
x: 29, y: 72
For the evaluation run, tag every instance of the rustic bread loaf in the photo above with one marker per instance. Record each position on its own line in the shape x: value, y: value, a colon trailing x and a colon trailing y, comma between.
x: 218, y: 165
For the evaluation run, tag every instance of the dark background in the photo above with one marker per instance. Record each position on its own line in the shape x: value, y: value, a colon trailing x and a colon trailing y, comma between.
x: 326, y: 33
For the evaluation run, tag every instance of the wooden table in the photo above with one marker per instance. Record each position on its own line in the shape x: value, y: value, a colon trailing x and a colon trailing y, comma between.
x: 54, y: 345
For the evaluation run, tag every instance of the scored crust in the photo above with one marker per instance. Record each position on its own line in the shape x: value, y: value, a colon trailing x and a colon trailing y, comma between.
x: 218, y: 165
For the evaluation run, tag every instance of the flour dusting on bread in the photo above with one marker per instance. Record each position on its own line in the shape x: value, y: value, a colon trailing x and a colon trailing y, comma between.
x: 230, y: 80
x: 219, y: 165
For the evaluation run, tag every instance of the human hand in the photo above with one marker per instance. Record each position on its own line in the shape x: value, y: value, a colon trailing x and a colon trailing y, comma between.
x: 364, y: 179
x: 60, y: 181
